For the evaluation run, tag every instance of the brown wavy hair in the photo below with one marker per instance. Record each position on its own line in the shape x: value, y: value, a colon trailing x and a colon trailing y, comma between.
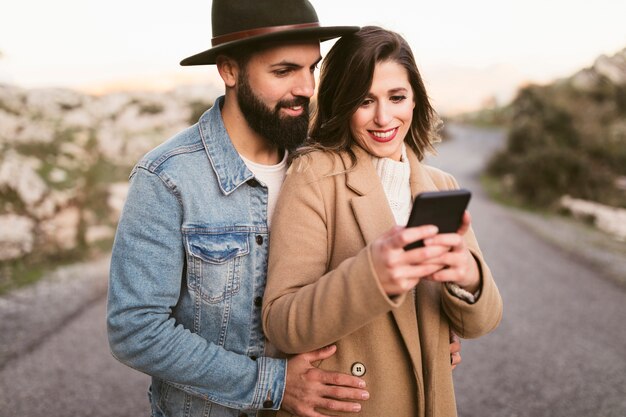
x: 345, y: 79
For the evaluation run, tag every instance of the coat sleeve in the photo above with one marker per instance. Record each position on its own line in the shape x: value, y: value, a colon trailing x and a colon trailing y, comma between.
x: 305, y: 305
x: 474, y: 320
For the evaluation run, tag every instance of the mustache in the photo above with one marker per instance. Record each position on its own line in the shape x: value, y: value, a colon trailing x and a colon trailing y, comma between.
x: 297, y: 101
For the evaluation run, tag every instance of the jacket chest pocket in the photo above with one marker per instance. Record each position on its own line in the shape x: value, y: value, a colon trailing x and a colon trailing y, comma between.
x: 215, y: 262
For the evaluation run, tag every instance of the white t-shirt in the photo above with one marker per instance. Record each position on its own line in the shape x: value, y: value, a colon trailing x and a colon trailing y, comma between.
x: 271, y: 176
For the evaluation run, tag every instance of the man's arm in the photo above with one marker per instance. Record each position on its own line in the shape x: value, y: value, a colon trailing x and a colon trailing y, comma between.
x: 145, y: 280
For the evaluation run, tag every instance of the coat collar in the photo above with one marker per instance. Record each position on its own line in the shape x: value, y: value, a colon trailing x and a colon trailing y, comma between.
x: 371, y: 198
x: 363, y: 178
x: 374, y: 217
x: 370, y: 206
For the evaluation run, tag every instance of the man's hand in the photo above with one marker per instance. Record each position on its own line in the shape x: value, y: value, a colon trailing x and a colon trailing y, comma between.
x: 455, y: 349
x: 309, y: 388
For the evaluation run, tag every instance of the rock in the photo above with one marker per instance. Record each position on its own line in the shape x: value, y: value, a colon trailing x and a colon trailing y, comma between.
x: 117, y: 197
x: 609, y: 219
x: 98, y: 233
x: 61, y: 231
x: 16, y: 236
x: 18, y: 173
x: 613, y: 68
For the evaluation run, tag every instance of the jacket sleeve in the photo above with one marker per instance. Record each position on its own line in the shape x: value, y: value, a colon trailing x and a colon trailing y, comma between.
x: 145, y: 280
x: 305, y: 305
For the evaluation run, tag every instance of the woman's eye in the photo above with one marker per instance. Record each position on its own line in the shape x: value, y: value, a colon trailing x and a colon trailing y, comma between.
x: 367, y: 102
x: 397, y: 99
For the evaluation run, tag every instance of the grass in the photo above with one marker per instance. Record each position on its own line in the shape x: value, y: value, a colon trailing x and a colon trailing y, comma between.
x: 30, y: 269
x: 575, y: 236
x: 18, y: 274
x: 498, y: 192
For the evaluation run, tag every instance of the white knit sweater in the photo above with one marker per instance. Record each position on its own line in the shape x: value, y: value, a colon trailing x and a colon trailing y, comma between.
x: 395, y: 176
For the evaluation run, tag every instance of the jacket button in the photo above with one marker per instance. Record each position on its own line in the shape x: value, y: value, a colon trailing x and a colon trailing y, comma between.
x: 258, y: 301
x: 253, y: 357
x: 358, y: 369
x: 259, y: 240
x: 268, y: 404
x: 253, y: 183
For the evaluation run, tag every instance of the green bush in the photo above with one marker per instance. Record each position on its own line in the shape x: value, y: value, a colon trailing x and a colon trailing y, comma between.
x: 565, y: 140
x: 197, y: 109
x: 544, y: 175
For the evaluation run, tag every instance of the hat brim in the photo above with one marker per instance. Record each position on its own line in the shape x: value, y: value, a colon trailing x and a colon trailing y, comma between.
x: 320, y: 33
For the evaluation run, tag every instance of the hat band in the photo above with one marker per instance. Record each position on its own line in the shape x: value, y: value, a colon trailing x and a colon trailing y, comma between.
x: 218, y: 40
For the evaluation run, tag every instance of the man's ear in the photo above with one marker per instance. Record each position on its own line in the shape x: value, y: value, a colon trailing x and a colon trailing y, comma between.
x: 228, y: 69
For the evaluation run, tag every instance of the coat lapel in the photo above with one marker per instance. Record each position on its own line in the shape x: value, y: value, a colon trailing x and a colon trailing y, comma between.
x: 371, y: 199
x: 427, y: 292
x: 420, y: 180
x: 370, y: 207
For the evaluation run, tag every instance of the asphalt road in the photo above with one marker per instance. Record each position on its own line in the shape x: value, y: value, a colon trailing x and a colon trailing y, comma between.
x: 559, y: 350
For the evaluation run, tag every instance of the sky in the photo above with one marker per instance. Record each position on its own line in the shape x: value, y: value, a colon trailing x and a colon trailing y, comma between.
x: 468, y: 51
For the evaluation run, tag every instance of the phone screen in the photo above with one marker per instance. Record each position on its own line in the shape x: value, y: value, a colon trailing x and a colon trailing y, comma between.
x: 443, y: 209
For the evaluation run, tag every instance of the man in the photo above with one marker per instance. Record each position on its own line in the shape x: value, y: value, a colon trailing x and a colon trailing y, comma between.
x: 189, y: 262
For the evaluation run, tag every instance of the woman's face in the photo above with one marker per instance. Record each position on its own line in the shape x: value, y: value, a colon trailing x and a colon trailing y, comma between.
x: 382, y: 121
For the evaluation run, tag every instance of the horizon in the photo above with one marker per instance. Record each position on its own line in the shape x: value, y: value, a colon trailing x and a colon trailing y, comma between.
x: 468, y: 53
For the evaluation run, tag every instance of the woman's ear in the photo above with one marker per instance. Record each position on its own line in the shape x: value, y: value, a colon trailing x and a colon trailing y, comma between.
x: 228, y: 69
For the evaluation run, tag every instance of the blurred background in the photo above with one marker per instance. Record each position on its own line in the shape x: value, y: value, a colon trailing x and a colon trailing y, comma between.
x: 533, y: 97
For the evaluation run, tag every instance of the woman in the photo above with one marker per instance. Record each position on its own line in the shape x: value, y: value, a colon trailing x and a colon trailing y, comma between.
x: 338, y: 272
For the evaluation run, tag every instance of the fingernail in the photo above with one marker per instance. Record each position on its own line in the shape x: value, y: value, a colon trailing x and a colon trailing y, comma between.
x: 365, y: 395
x: 362, y: 384
x: 356, y: 407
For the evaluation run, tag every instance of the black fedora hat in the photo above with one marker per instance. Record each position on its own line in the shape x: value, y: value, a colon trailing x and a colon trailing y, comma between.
x: 238, y: 22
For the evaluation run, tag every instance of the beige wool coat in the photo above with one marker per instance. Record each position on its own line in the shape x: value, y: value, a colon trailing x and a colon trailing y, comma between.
x: 322, y: 288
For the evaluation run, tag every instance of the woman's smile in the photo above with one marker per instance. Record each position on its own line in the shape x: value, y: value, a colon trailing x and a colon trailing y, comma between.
x: 383, y: 136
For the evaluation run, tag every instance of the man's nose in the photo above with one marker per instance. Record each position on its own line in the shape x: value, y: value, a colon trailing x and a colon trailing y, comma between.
x: 305, y: 85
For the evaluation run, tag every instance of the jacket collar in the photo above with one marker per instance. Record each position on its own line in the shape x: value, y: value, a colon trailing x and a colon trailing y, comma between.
x: 229, y: 168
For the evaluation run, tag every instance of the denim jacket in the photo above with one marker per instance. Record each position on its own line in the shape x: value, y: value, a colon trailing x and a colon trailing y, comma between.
x: 187, y: 277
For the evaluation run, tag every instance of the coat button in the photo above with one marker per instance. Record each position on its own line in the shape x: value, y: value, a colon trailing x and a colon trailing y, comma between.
x: 358, y: 369
x: 259, y: 239
x: 253, y: 183
x: 258, y: 301
x: 268, y: 404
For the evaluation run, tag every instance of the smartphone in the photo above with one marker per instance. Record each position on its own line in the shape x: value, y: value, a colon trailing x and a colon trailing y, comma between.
x: 444, y: 209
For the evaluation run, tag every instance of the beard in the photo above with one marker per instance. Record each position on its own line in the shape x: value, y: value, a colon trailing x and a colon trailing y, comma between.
x: 284, y: 132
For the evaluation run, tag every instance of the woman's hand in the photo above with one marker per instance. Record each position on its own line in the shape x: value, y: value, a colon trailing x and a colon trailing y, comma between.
x: 459, y: 265
x: 399, y: 270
